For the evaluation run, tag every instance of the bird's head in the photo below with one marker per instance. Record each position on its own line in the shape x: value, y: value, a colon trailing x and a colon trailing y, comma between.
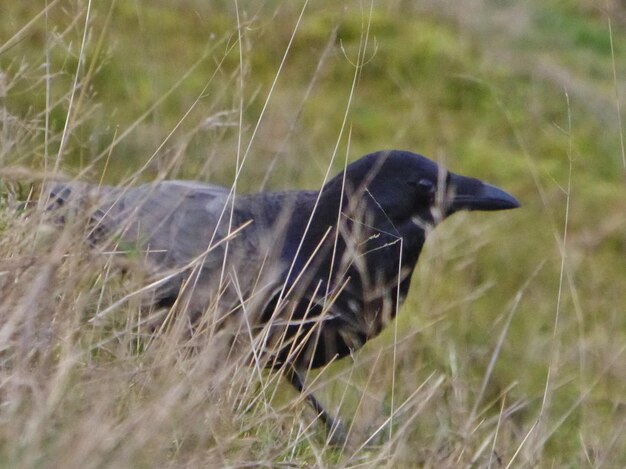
x: 405, y: 186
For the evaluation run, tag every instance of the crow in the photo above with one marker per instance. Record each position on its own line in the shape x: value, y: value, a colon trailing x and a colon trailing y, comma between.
x: 319, y: 273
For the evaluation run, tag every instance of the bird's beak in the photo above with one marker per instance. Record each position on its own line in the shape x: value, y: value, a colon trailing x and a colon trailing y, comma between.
x: 473, y: 194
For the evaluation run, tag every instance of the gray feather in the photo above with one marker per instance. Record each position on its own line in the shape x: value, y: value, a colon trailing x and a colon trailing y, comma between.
x: 188, y: 232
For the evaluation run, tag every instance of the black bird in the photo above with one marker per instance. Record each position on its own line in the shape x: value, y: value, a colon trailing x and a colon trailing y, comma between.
x: 321, y: 272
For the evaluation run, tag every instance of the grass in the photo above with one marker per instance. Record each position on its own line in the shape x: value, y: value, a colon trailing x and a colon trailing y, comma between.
x: 510, y: 349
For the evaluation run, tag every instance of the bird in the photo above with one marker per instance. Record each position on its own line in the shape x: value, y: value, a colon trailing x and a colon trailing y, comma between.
x: 317, y: 273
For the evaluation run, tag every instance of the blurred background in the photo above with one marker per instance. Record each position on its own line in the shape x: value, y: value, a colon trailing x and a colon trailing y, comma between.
x: 517, y: 341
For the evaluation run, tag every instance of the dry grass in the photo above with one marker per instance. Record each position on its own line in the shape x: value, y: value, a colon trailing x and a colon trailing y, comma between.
x: 507, y: 354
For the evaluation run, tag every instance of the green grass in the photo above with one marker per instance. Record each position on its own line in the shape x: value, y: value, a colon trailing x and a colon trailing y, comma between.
x: 522, y: 96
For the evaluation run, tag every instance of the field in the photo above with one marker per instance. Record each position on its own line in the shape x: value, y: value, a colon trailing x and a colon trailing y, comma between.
x: 510, y: 349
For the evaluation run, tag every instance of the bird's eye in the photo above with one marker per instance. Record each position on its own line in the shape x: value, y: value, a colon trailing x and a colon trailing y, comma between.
x: 426, y: 185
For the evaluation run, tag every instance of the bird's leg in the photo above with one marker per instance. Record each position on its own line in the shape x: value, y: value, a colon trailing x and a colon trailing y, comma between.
x: 336, y: 432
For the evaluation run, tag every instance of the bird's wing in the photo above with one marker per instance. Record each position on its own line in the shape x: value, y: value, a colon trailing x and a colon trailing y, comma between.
x: 177, y: 217
x: 184, y: 230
